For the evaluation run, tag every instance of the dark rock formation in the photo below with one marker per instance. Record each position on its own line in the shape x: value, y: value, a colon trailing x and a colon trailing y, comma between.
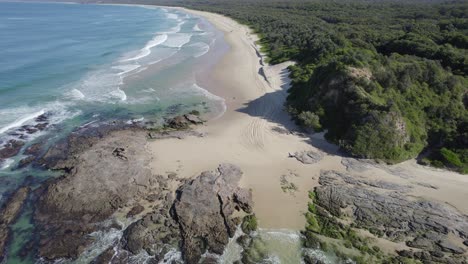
x: 156, y: 233
x: 106, y: 171
x: 34, y: 149
x: 179, y: 134
x: 308, y: 157
x: 112, y: 255
x: 194, y: 119
x: 448, y: 246
x: 135, y: 210
x: 382, y: 206
x: 183, y: 121
x: 60, y: 156
x: 253, y: 249
x: 26, y: 161
x: 97, y: 184
x: 204, y: 210
x: 119, y: 153
x: 10, y: 149
x: 8, y: 213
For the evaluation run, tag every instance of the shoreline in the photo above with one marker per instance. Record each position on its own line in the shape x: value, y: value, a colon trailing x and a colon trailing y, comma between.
x: 256, y: 134
x: 280, y: 165
x: 245, y: 133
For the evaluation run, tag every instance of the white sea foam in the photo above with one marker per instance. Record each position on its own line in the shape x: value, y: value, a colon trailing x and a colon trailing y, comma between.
x: 320, y: 255
x: 121, y: 94
x: 283, y: 234
x: 6, y: 164
x: 103, y: 239
x: 176, y: 29
x: 136, y: 120
x: 177, y: 40
x: 149, y: 90
x: 56, y: 113
x: 75, y: 94
x: 166, y: 55
x: 157, y: 40
x: 20, y: 121
x: 124, y: 69
x: 211, y: 96
x: 173, y: 256
x: 273, y: 259
x: 233, y: 250
x: 172, y: 16
x: 202, y: 48
x: 196, y: 28
x: 89, y: 123
x: 101, y: 86
x: 154, y: 62
x: 207, y: 94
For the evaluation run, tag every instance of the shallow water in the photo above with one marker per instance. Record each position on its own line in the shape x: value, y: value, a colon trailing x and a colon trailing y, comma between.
x: 281, y: 246
x: 75, y: 61
x: 82, y: 64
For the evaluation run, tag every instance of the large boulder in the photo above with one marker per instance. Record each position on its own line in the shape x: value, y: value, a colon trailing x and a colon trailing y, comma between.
x: 97, y: 184
x: 389, y: 207
x: 10, y: 149
x: 204, y: 210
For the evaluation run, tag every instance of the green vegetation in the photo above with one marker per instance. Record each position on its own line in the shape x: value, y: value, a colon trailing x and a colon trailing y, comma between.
x: 345, y: 242
x: 287, y: 186
x: 386, y: 79
x: 249, y: 224
x: 456, y: 159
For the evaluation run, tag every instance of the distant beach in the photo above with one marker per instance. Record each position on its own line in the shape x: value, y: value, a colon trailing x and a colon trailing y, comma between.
x: 138, y: 146
x: 258, y: 135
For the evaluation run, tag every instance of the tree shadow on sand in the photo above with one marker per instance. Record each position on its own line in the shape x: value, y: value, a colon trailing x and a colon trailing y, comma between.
x: 271, y: 108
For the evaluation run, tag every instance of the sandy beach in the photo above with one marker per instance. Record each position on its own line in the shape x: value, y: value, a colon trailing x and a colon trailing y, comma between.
x: 257, y: 134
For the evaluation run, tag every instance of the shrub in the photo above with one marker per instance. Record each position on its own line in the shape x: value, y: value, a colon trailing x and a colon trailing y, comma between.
x: 310, y: 120
x: 451, y: 157
x: 249, y: 224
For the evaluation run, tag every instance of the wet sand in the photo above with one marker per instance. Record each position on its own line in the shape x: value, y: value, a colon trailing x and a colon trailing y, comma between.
x: 257, y: 134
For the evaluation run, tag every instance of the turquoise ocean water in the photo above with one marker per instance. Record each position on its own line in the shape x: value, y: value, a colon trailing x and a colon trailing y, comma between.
x: 68, y: 65
x: 76, y: 64
x: 89, y: 64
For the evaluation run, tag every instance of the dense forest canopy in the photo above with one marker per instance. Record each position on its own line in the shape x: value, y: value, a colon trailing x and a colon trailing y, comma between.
x: 386, y: 79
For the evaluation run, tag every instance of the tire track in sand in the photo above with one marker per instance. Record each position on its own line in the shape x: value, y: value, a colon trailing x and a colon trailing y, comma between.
x: 265, y: 108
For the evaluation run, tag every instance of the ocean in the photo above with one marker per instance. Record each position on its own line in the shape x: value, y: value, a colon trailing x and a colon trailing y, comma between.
x: 66, y: 65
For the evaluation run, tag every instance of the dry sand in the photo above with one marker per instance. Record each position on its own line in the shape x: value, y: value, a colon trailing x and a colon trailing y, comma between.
x: 251, y: 135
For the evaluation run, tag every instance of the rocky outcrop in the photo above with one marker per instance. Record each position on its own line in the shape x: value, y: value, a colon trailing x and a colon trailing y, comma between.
x: 204, y: 210
x: 9, y: 213
x: 179, y: 134
x: 183, y: 121
x: 308, y: 157
x: 97, y: 184
x: 10, y: 149
x: 156, y: 233
x: 388, y: 211
x: 61, y: 155
x: 107, y: 173
x: 18, y: 136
